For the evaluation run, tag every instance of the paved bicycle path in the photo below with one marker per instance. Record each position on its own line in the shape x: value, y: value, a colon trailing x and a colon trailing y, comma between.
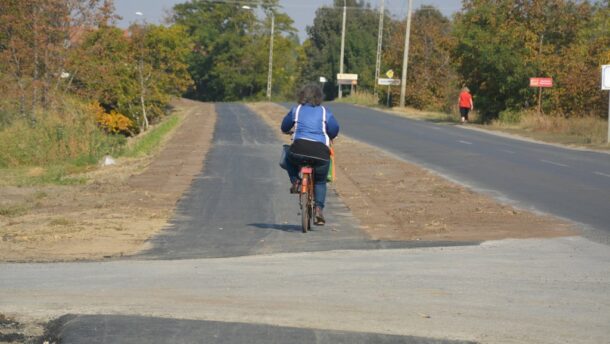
x: 240, y: 204
x: 107, y: 329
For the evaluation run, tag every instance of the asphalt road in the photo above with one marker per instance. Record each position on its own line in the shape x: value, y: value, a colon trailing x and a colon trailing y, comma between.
x: 572, y: 184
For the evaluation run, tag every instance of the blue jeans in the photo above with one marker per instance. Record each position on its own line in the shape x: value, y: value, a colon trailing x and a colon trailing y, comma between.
x: 294, y: 163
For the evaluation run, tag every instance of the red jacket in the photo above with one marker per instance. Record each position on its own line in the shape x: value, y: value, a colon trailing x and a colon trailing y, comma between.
x: 466, y: 100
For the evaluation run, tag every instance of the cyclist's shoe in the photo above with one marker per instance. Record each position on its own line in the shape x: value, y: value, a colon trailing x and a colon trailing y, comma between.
x: 294, y: 188
x: 319, y: 217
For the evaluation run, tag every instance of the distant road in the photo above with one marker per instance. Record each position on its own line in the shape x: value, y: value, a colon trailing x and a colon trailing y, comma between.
x: 568, y: 183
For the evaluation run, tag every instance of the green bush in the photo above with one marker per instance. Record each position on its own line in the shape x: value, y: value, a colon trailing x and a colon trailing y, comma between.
x: 148, y: 142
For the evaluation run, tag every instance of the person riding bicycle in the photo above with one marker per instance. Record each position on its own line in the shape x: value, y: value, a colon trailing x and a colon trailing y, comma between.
x: 314, y: 127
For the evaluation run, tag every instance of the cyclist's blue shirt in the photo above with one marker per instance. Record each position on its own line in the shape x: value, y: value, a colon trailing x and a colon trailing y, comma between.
x: 312, y: 123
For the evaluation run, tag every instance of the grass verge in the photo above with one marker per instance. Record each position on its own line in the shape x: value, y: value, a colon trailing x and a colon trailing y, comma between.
x: 588, y: 131
x: 360, y: 98
x: 67, y: 169
x: 152, y: 140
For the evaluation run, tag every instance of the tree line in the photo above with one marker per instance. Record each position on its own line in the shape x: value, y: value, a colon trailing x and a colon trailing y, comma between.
x: 491, y: 46
x: 218, y: 51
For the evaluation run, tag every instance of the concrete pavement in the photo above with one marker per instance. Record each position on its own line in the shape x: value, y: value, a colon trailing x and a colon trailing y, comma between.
x: 512, y: 291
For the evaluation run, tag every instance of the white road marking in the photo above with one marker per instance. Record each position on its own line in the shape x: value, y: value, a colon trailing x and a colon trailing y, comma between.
x: 554, y: 163
x: 465, y: 142
x: 602, y: 174
x: 508, y: 151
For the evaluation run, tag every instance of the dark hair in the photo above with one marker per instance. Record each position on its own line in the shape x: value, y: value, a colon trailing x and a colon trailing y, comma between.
x: 310, y: 94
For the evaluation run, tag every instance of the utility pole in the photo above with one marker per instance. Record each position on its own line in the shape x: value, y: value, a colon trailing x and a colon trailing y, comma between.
x: 269, y: 75
x: 405, y: 60
x: 141, y: 73
x: 379, y: 39
x: 540, y: 63
x: 342, y: 46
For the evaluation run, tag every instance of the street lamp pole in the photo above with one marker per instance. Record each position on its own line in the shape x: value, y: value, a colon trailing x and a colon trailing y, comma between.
x: 405, y: 59
x: 269, y: 75
x: 342, y: 46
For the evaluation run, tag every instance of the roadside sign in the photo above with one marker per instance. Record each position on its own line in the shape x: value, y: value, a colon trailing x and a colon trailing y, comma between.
x: 347, y: 79
x: 347, y: 82
x: 347, y: 76
x: 323, y: 79
x: 388, y: 82
x: 390, y: 74
x: 606, y: 86
x: 606, y: 77
x: 541, y: 82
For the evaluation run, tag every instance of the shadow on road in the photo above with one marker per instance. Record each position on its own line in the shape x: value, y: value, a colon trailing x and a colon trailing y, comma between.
x: 279, y: 227
x: 105, y: 329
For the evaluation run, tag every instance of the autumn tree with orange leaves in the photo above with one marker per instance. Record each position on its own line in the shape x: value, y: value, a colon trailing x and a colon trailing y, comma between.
x: 35, y: 40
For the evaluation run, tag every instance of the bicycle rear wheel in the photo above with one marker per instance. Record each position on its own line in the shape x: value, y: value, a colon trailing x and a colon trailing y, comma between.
x: 305, y: 212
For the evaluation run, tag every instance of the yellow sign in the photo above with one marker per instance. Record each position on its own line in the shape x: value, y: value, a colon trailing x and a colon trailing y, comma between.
x: 390, y: 74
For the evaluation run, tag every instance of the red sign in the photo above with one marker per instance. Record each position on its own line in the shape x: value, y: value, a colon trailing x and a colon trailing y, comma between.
x: 541, y: 82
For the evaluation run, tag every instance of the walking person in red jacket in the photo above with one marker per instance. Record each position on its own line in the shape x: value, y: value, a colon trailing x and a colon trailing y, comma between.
x: 465, y: 103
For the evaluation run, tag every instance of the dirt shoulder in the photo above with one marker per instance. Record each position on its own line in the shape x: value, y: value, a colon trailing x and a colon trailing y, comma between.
x: 119, y: 208
x: 396, y: 200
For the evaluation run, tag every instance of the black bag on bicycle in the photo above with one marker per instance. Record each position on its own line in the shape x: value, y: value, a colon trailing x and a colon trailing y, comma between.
x: 284, y: 157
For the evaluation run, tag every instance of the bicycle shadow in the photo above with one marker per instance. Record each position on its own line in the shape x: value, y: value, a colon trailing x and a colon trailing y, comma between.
x: 276, y: 226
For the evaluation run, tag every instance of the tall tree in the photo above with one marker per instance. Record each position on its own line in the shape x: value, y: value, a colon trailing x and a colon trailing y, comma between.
x: 322, y: 47
x: 431, y: 78
x: 104, y: 69
x: 135, y: 71
x: 161, y: 54
x: 229, y: 61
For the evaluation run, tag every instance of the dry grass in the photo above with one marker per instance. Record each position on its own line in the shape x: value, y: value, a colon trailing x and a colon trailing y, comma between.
x: 432, y: 116
x: 588, y: 130
x: 360, y: 98
x: 13, y: 210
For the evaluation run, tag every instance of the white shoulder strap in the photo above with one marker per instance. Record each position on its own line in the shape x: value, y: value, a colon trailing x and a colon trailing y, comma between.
x: 324, y: 126
x: 323, y: 114
x: 296, y: 120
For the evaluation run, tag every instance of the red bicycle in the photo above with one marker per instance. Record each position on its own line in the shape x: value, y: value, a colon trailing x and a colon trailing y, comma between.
x: 306, y: 197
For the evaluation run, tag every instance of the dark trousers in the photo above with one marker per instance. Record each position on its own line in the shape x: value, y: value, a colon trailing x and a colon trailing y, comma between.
x: 294, y: 163
x: 464, y: 112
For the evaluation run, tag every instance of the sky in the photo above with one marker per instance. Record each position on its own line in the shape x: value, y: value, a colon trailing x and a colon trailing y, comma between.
x: 301, y: 11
